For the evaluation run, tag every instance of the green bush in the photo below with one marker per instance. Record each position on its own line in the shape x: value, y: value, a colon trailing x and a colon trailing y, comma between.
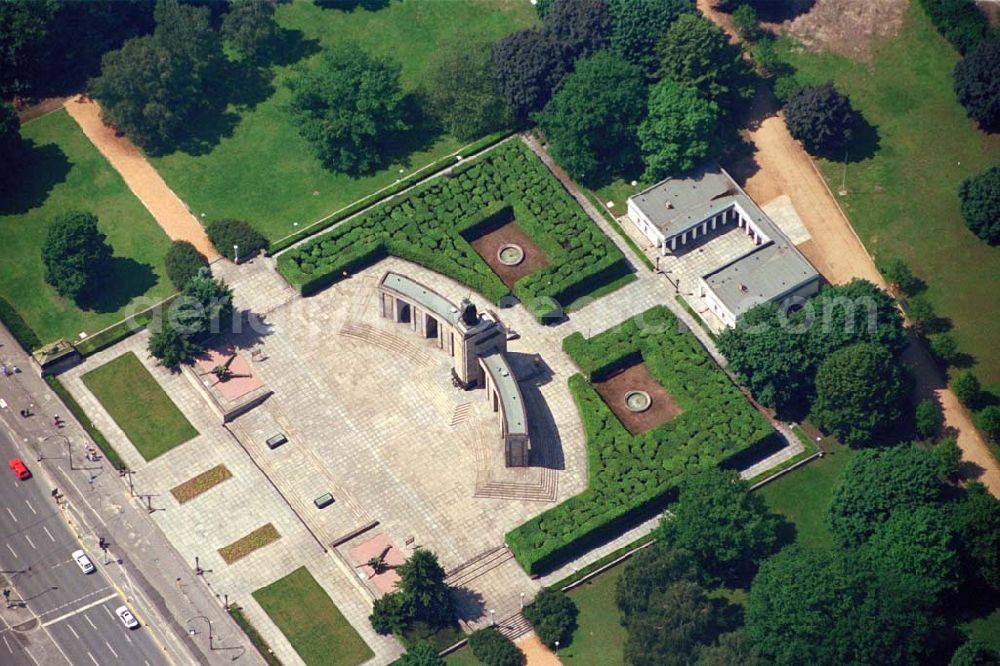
x: 958, y: 21
x: 430, y: 224
x: 494, y: 649
x: 24, y: 334
x: 183, y: 262
x: 631, y: 477
x: 224, y: 234
x: 968, y: 390
x: 928, y: 419
x: 553, y: 615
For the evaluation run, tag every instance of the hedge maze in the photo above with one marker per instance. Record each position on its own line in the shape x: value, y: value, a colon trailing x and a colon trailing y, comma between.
x: 432, y: 225
x: 632, y: 476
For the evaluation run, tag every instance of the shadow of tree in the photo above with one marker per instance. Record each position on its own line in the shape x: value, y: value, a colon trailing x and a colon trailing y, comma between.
x: 864, y: 140
x: 290, y: 47
x: 778, y: 11
x: 351, y: 5
x: 127, y: 279
x: 38, y: 169
x: 399, y: 147
x: 469, y: 604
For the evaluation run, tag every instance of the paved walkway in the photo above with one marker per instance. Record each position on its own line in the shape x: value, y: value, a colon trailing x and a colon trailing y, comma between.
x: 140, y: 176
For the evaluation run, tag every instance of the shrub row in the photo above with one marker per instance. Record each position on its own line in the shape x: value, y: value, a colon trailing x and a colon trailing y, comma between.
x: 400, y: 185
x: 958, y: 21
x: 430, y: 226
x: 22, y: 332
x: 633, y: 476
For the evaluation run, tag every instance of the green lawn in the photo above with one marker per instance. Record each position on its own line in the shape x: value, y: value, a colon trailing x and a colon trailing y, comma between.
x: 462, y: 657
x: 599, y: 637
x: 803, y: 495
x: 65, y: 172
x: 266, y: 173
x: 139, y: 406
x: 310, y: 621
x: 986, y: 629
x: 903, y: 201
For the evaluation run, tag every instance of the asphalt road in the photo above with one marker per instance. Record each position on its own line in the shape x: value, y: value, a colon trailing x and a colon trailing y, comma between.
x: 75, y: 609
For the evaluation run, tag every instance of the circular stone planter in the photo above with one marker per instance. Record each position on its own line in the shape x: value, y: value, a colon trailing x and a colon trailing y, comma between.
x: 637, y: 401
x: 510, y: 254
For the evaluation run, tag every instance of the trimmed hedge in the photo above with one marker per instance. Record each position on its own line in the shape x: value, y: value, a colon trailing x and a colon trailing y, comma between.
x: 386, y: 192
x: 959, y: 21
x: 22, y: 332
x: 183, y: 262
x: 429, y: 226
x: 632, y: 477
x: 224, y: 234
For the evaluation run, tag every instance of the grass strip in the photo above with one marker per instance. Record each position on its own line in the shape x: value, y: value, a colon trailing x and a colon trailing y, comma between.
x: 22, y: 332
x: 618, y: 228
x: 251, y: 631
x: 74, y: 408
x: 204, y: 482
x: 117, y: 332
x: 260, y: 537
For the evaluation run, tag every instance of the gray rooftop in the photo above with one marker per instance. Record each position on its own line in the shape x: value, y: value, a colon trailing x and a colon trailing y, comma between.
x: 510, y: 393
x: 677, y: 204
x: 766, y: 274
x: 427, y: 298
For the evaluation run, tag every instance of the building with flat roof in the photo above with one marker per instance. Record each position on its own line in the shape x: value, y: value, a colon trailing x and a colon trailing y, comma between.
x: 675, y: 212
x: 478, y: 344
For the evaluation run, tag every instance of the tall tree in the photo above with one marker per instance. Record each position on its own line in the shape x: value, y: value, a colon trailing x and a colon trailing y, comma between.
x: 822, y: 119
x: 726, y: 529
x: 24, y: 29
x: 695, y: 51
x: 76, y: 255
x: 250, y: 27
x: 591, y: 122
x: 553, y: 615
x: 584, y: 26
x: 980, y: 196
x: 679, y: 620
x: 10, y: 142
x: 529, y: 65
x: 461, y: 91
x: 877, y: 482
x: 637, y: 26
x: 977, y: 84
x: 731, y: 649
x: 421, y: 654
x: 422, y: 584
x: 155, y: 85
x: 678, y: 132
x: 978, y: 528
x: 349, y: 108
x: 648, y: 571
x: 860, y: 393
x: 825, y: 607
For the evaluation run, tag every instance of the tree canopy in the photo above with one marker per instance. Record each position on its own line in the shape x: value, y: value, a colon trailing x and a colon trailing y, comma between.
x: 421, y: 582
x: 877, y: 482
x: 725, y: 528
x: 529, y: 65
x: 492, y: 648
x: 592, y: 120
x: 229, y: 234
x: 977, y: 84
x: 421, y: 654
x: 204, y: 309
x: 10, y: 142
x: 76, y: 256
x: 350, y: 108
x: 978, y: 525
x: 155, y: 85
x: 975, y: 653
x: 860, y: 393
x: 697, y: 52
x: 822, y: 119
x: 980, y: 196
x: 827, y: 607
x: 183, y: 263
x: 649, y: 570
x: 678, y: 132
x: 637, y: 25
x: 461, y: 92
x: 553, y: 615
x: 584, y: 26
x: 249, y: 26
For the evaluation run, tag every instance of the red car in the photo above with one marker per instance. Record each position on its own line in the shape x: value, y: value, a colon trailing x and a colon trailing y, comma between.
x: 18, y: 467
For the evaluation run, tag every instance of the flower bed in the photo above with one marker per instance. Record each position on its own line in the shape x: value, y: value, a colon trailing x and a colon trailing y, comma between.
x: 205, y: 481
x: 632, y: 477
x: 240, y: 548
x: 431, y: 225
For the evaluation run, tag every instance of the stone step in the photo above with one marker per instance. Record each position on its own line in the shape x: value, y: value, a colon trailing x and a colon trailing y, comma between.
x: 514, y: 627
x: 478, y: 566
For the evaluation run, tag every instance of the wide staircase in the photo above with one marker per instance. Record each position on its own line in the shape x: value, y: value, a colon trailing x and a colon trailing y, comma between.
x: 385, y: 340
x: 478, y: 566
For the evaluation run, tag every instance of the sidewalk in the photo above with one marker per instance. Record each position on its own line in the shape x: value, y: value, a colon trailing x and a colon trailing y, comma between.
x: 141, y: 563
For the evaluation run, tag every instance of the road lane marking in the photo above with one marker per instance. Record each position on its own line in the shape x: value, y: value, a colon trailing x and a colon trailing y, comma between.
x: 92, y: 659
x: 11, y: 513
x: 110, y: 614
x: 92, y: 625
x: 112, y: 649
x: 90, y: 594
x: 31, y: 507
x: 12, y: 551
x: 73, y: 631
x: 49, y: 534
x: 128, y: 638
x: 32, y: 543
x: 80, y: 610
x: 9, y: 649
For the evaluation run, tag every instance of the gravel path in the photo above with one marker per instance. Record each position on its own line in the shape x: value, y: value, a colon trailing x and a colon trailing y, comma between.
x: 147, y: 185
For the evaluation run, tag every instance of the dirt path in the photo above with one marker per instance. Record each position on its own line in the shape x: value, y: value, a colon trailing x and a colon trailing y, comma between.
x: 778, y: 166
x: 47, y: 105
x: 165, y: 206
x: 536, y: 652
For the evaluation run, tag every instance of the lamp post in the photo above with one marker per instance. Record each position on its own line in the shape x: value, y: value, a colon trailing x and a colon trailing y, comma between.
x: 493, y: 617
x: 236, y: 254
x: 522, y: 601
x: 193, y: 632
x: 557, y: 648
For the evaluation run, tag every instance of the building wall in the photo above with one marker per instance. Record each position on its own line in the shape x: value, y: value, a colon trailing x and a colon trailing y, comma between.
x: 643, y: 224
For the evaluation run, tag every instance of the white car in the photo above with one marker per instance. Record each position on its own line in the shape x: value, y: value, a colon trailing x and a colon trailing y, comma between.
x: 125, y: 615
x: 82, y: 561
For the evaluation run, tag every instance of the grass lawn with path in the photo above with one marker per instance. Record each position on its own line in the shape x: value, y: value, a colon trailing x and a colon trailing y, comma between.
x: 903, y: 201
x: 65, y: 172
x: 139, y: 406
x: 311, y: 622
x: 267, y: 174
